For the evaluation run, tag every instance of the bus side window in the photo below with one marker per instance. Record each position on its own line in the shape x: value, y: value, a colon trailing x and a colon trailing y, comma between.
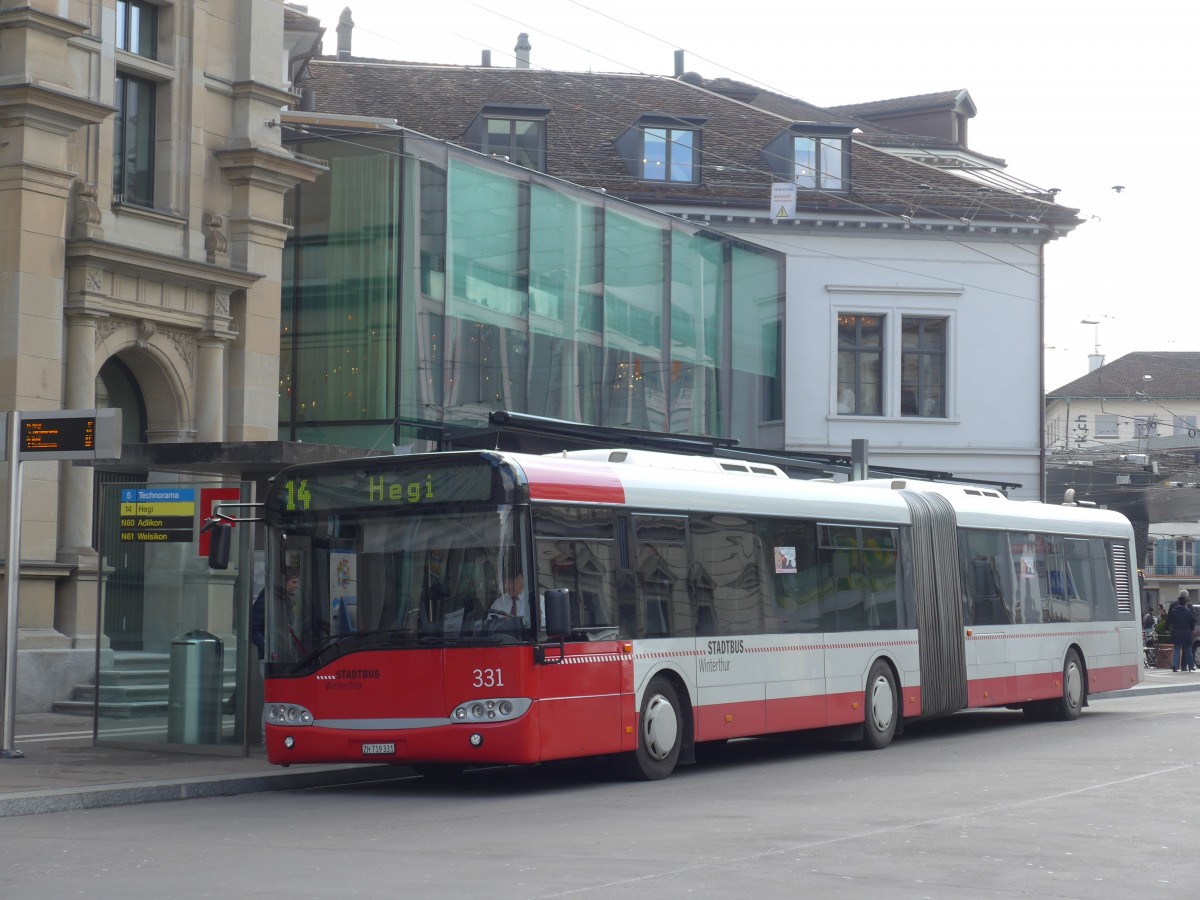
x: 626, y: 605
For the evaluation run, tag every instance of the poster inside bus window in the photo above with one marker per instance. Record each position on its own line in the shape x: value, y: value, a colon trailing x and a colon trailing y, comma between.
x: 393, y: 487
x: 343, y: 590
x: 785, y: 560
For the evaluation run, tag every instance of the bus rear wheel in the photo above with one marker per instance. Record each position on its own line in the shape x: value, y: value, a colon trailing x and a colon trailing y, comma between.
x: 1074, y: 689
x: 881, y: 707
x: 660, y: 733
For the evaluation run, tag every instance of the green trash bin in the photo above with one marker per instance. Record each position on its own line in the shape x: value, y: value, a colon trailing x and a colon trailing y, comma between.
x: 194, y: 689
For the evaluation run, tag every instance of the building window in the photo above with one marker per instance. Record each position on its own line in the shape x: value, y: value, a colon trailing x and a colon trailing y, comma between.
x: 1145, y: 427
x: 1106, y: 426
x: 1185, y: 554
x: 137, y: 28
x: 133, y: 149
x: 819, y: 163
x: 1185, y: 425
x: 521, y: 141
x: 860, y: 365
x: 923, y: 367
x: 669, y: 154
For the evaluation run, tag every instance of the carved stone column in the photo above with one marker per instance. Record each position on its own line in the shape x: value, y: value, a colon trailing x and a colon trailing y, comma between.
x: 75, y: 609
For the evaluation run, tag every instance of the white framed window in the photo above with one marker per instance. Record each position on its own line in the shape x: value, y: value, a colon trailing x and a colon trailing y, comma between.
x: 860, y: 347
x: 1185, y: 553
x: 1145, y: 426
x: 1106, y: 426
x: 923, y: 367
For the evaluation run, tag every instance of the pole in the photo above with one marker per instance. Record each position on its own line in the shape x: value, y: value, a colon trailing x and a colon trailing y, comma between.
x: 12, y: 575
x: 860, y: 466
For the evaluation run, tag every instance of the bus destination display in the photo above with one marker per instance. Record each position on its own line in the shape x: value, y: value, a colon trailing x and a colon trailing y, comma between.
x: 47, y: 435
x: 375, y: 488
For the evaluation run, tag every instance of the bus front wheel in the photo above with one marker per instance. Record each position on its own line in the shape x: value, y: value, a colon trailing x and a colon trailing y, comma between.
x: 660, y: 733
x: 882, y: 709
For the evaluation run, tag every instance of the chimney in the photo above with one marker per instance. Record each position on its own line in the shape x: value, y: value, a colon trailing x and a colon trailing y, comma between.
x: 678, y: 63
x: 487, y: 59
x: 1095, y: 361
x: 345, y: 28
x: 308, y: 100
x: 522, y: 50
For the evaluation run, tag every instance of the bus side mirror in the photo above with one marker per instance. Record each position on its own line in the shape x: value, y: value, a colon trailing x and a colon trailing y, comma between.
x: 220, y: 535
x: 558, y: 614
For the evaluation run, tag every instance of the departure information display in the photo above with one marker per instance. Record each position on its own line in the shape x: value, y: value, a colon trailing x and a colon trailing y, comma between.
x: 46, y: 435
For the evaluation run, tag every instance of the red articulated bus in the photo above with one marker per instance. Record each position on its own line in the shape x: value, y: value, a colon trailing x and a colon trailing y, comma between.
x: 483, y: 607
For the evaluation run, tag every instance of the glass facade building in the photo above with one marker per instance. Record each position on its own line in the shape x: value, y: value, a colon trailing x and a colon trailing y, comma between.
x: 426, y: 285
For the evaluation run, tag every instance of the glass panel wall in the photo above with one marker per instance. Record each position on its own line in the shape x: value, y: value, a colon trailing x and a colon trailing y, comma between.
x: 634, y: 292
x: 341, y: 300
x: 502, y: 289
x: 757, y: 369
x: 566, y: 313
x: 697, y: 288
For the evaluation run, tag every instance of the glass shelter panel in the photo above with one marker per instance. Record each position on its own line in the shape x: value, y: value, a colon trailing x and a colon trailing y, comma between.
x: 176, y: 668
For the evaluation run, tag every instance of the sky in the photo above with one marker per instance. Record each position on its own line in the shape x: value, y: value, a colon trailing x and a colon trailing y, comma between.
x: 1090, y: 97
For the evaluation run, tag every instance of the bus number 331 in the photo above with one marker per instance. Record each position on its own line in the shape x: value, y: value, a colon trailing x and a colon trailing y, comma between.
x: 488, y: 678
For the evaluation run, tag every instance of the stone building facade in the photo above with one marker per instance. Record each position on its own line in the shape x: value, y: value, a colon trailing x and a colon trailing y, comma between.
x: 141, y: 230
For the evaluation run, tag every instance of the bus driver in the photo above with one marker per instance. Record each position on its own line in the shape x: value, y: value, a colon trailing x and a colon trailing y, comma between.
x: 513, y: 602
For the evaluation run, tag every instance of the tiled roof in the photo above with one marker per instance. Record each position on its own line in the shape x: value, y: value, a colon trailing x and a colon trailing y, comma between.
x: 1172, y: 376
x: 589, y: 111
x: 875, y: 133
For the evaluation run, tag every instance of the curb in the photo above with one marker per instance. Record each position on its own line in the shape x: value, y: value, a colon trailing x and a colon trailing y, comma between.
x: 1138, y: 692
x: 27, y: 803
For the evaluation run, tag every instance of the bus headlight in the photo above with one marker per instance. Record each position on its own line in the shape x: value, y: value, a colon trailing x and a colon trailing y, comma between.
x: 286, y: 714
x: 495, y: 709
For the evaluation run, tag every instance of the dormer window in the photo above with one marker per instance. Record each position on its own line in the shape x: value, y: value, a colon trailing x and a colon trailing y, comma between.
x: 662, y: 148
x: 521, y: 141
x: 669, y: 154
x: 814, y: 156
x: 516, y: 134
x: 819, y: 163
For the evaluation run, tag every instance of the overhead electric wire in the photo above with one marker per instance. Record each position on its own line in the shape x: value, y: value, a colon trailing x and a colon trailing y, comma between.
x: 925, y: 230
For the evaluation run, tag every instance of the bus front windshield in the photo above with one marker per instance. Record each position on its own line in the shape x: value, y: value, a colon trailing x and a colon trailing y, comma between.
x: 353, y: 582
